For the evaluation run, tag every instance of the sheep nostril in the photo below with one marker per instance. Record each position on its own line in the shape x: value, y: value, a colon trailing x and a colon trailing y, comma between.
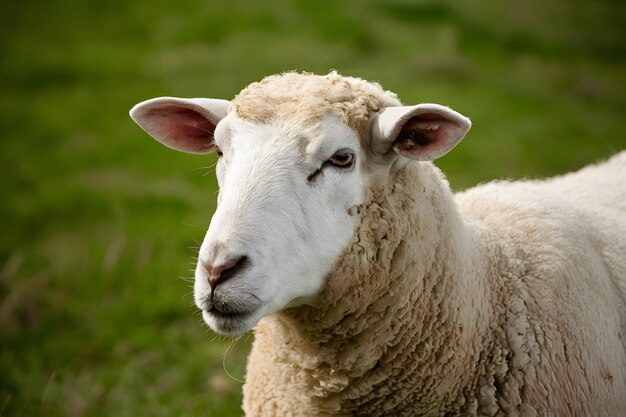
x: 218, y: 274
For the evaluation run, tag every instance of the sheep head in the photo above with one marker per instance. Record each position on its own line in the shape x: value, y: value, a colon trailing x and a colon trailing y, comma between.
x: 297, y: 153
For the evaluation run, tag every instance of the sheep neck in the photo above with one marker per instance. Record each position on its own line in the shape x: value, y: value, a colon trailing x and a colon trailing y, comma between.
x: 398, y: 311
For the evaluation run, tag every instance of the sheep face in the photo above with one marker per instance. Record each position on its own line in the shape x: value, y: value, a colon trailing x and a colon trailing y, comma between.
x: 282, y: 217
x: 288, y: 191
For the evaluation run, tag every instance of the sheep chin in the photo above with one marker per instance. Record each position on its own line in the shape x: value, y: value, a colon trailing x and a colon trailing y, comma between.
x: 231, y: 324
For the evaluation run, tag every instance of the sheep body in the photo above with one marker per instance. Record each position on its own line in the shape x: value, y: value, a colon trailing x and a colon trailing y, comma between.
x: 512, y: 304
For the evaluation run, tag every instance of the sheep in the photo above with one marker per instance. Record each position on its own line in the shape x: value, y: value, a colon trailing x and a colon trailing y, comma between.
x: 372, y: 288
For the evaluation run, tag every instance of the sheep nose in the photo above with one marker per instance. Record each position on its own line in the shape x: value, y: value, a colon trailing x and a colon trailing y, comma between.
x: 217, y: 274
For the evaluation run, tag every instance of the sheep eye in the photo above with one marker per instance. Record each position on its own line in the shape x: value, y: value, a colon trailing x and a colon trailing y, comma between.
x: 342, y: 160
x: 218, y: 151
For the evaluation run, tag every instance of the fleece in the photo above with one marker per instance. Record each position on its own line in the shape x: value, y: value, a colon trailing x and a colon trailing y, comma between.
x: 508, y: 299
x: 307, y: 98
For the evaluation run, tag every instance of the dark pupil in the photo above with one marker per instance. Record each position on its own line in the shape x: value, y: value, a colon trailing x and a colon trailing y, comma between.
x: 342, y: 158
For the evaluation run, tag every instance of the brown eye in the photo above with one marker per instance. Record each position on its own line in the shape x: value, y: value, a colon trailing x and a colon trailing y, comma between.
x: 342, y: 160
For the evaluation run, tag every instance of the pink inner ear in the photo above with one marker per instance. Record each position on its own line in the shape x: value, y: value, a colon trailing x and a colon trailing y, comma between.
x: 180, y: 128
x: 423, y: 132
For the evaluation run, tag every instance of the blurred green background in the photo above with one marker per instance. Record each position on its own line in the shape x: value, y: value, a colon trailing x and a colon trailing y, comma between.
x: 100, y: 224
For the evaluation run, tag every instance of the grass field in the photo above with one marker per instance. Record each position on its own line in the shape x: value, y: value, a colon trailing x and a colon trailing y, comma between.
x: 99, y: 224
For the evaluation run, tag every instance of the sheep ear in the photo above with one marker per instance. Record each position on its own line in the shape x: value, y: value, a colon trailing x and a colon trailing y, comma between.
x: 423, y: 132
x: 184, y: 124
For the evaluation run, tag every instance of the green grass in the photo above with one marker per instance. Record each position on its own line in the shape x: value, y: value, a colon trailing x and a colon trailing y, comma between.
x: 98, y: 222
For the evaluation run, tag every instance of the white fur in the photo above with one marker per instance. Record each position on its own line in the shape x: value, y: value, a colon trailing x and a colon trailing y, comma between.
x: 267, y: 210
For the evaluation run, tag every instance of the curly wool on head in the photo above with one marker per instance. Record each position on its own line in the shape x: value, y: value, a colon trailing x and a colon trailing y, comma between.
x: 309, y: 97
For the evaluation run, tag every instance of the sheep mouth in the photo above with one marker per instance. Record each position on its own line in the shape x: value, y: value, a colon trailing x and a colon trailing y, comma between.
x: 222, y: 309
x: 231, y: 316
x: 228, y: 315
